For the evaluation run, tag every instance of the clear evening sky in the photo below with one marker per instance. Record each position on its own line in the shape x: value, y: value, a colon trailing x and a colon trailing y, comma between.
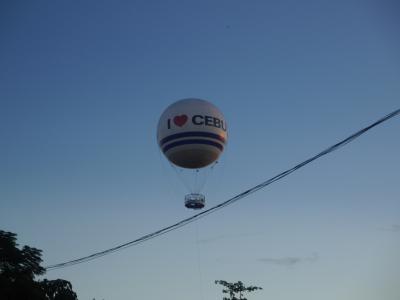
x: 83, y: 83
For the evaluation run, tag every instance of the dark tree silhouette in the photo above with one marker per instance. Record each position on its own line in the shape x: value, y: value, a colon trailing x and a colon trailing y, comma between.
x: 236, y: 289
x: 58, y: 289
x: 18, y: 268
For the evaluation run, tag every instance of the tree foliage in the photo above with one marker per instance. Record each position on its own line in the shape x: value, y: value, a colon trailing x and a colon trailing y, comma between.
x: 18, y: 268
x: 236, y: 289
x: 58, y: 289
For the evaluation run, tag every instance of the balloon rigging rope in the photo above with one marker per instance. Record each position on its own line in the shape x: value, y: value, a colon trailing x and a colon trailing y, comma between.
x: 225, y: 203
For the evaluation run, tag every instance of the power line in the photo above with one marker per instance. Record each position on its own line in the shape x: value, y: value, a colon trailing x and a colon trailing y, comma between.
x: 225, y: 203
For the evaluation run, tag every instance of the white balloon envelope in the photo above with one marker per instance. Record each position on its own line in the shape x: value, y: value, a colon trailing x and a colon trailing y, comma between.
x: 192, y: 133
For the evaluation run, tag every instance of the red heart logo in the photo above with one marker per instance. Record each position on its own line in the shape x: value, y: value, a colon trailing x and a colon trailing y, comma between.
x: 180, y: 120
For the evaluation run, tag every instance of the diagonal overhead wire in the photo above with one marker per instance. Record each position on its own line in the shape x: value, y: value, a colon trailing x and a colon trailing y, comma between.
x: 225, y: 203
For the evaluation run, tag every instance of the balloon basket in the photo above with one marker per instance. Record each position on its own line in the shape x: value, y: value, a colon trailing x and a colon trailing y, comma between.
x: 195, y: 201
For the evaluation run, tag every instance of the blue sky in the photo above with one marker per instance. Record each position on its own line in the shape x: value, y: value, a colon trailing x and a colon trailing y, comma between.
x: 82, y: 85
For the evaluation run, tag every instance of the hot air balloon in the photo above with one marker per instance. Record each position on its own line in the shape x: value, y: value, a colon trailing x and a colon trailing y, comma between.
x: 192, y: 134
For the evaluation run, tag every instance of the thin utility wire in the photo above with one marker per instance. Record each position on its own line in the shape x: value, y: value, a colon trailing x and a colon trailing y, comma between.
x: 222, y: 204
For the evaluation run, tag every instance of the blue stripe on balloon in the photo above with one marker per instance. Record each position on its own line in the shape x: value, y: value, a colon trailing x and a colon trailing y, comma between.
x: 192, y: 142
x: 192, y: 134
